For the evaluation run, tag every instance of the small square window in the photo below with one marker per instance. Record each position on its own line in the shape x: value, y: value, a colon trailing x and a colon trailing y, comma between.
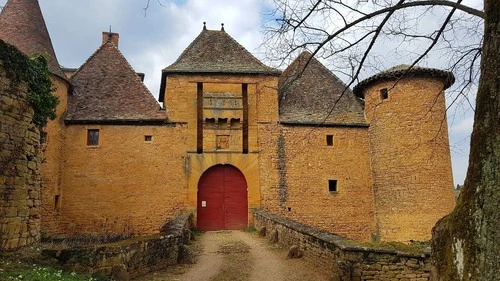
x: 332, y: 185
x: 384, y: 93
x: 148, y: 138
x: 93, y: 137
x: 329, y: 140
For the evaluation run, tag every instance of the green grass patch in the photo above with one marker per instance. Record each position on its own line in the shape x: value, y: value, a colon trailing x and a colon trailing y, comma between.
x: 251, y: 229
x: 17, y: 271
x: 415, y: 247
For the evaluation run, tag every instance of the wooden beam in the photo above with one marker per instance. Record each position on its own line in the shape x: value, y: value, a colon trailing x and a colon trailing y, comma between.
x: 199, y: 118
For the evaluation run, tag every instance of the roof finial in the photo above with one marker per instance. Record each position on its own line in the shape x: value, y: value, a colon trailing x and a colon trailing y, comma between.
x: 222, y: 28
x: 110, y: 34
x: 204, y: 26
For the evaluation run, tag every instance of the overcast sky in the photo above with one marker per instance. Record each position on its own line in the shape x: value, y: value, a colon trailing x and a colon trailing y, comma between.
x: 152, y: 42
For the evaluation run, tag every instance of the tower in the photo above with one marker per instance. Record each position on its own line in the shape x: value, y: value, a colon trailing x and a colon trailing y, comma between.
x: 410, y: 155
x: 22, y: 25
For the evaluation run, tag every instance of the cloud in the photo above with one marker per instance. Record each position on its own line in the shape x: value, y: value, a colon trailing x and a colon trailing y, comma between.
x: 152, y: 42
x: 464, y: 126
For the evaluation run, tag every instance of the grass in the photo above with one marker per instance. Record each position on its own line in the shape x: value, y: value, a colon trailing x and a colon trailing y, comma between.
x: 17, y: 271
x: 251, y: 229
x: 28, y: 264
x: 416, y: 247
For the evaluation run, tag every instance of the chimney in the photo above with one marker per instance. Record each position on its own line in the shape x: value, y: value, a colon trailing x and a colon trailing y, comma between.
x: 110, y: 36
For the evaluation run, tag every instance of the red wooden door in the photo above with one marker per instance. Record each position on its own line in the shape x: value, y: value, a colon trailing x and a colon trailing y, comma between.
x: 222, y: 199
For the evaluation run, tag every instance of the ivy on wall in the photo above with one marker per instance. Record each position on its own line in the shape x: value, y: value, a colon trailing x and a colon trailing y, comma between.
x: 34, y: 72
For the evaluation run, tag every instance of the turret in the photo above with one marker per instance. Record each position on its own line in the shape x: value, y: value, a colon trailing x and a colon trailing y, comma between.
x: 410, y: 154
x: 22, y: 25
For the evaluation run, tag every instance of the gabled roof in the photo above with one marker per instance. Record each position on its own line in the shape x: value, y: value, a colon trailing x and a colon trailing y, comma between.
x: 215, y: 51
x: 22, y: 25
x: 314, y: 96
x: 106, y: 88
x: 404, y: 71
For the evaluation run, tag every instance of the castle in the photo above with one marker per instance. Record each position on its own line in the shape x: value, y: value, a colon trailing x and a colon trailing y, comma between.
x: 234, y: 135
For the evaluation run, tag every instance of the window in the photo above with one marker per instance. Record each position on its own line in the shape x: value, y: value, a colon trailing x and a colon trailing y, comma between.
x: 384, y: 93
x: 329, y: 140
x: 93, y: 137
x: 56, y: 202
x: 332, y: 185
x: 148, y: 138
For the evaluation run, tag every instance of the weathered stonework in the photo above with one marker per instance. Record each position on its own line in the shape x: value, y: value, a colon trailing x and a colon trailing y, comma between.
x: 346, y: 260
x: 306, y: 148
x: 410, y: 157
x: 20, y: 198
x: 133, y: 257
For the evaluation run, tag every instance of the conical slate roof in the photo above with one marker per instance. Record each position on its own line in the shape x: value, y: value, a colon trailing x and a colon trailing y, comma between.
x: 107, y: 89
x: 22, y: 25
x: 314, y: 96
x: 401, y: 71
x: 215, y: 51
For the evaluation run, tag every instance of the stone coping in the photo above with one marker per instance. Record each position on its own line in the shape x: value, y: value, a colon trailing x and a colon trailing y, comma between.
x: 337, y: 241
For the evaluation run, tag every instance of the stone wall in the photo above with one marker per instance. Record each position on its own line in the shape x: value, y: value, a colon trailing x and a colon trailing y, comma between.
x: 125, y: 185
x: 296, y: 165
x: 131, y: 257
x: 52, y: 164
x: 307, y: 164
x: 19, y: 167
x: 347, y: 260
x: 410, y: 157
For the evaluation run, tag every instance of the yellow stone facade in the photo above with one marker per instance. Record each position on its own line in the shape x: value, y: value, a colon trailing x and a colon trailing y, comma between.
x: 127, y: 185
x: 410, y: 156
x: 52, y: 164
x: 388, y: 179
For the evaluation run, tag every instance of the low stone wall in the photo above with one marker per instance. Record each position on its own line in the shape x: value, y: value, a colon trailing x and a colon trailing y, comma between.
x: 19, y: 167
x: 347, y: 260
x: 131, y: 257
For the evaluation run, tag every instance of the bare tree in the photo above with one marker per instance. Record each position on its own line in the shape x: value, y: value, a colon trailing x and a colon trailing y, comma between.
x: 355, y: 38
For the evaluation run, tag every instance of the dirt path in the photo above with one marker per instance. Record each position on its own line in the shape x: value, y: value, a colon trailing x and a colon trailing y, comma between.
x: 239, y: 256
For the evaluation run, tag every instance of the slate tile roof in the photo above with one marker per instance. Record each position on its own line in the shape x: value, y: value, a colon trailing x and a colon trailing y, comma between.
x: 215, y: 51
x: 315, y: 96
x: 400, y: 71
x: 22, y: 25
x: 106, y: 88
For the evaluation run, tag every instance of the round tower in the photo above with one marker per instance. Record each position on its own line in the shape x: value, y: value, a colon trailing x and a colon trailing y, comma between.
x: 410, y: 154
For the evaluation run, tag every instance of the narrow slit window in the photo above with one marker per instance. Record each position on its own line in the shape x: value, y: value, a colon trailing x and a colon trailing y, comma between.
x: 384, y: 93
x: 332, y: 185
x: 148, y: 138
x: 56, y: 202
x: 329, y: 140
x: 93, y: 137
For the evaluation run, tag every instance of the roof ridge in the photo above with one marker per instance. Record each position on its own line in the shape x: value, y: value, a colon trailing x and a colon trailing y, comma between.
x: 312, y: 93
x: 188, y: 47
x: 243, y: 48
x: 108, y: 88
x: 327, y: 69
x: 87, y: 60
x: 214, y: 51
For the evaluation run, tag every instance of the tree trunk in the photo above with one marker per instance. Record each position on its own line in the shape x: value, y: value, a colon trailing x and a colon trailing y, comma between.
x: 465, y: 245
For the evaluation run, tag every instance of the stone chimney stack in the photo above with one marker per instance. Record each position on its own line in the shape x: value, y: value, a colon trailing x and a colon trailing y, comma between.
x: 110, y: 36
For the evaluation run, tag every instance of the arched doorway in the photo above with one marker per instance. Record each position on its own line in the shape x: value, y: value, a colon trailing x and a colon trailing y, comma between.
x: 222, y: 199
